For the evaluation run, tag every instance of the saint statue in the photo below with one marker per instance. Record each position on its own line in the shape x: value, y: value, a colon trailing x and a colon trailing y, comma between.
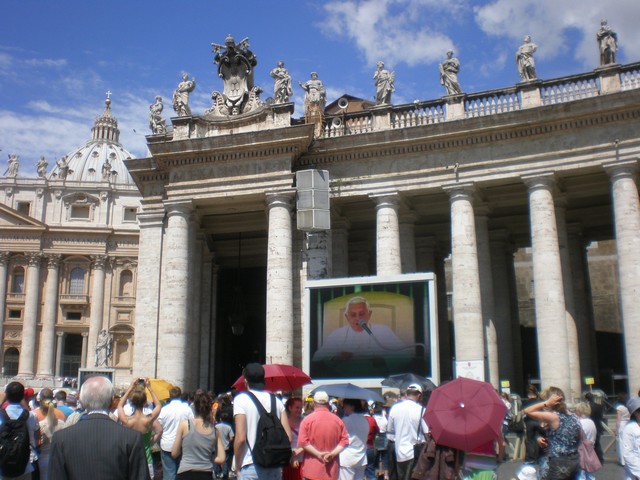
x: 103, y: 349
x: 384, y: 81
x: 449, y: 74
x: 41, y: 167
x: 314, y: 102
x: 14, y: 165
x: 525, y: 61
x: 608, y: 43
x: 63, y: 168
x: 281, y: 83
x: 181, y: 95
x: 156, y: 122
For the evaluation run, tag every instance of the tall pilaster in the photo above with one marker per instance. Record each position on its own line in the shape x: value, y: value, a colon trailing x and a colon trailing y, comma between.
x: 486, y: 293
x: 408, y: 242
x: 388, y: 257
x: 499, y: 247
x: 173, y: 329
x: 145, y: 349
x: 46, y: 352
x: 582, y: 296
x: 97, y: 306
x: 279, y: 348
x: 316, y: 255
x: 569, y: 300
x: 214, y: 323
x: 29, y: 327
x: 83, y: 351
x: 551, y: 325
x: 59, y: 352
x: 467, y: 305
x: 207, y: 306
x: 4, y: 261
x: 340, y: 247
x: 626, y: 212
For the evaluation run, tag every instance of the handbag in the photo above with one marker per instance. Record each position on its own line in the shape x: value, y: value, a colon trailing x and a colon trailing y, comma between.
x: 589, y: 461
x: 422, y: 442
x: 380, y: 442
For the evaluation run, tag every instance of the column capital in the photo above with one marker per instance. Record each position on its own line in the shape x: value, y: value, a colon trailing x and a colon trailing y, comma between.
x: 459, y: 191
x: 4, y: 258
x: 538, y: 181
x: 53, y: 260
x: 151, y: 219
x: 622, y: 169
x: 33, y: 258
x: 279, y: 199
x: 85, y: 334
x: 388, y: 200
x: 59, y: 334
x: 99, y: 261
x: 183, y: 209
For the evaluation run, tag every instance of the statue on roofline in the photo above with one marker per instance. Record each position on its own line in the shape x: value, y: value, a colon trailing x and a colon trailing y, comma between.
x: 14, y: 165
x: 235, y: 63
x: 449, y: 74
x: 525, y: 61
x: 156, y: 122
x: 281, y: 83
x: 384, y: 80
x: 181, y: 95
x: 41, y: 167
x: 314, y: 102
x: 608, y: 43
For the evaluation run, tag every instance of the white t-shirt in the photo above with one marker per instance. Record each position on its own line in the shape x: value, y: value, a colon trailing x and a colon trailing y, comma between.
x: 382, y: 341
x: 404, y: 418
x: 170, y: 417
x: 589, y: 428
x: 243, y: 405
x: 355, y: 454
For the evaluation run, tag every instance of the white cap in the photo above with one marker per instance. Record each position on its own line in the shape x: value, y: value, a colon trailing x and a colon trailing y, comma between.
x: 415, y: 386
x: 321, y: 397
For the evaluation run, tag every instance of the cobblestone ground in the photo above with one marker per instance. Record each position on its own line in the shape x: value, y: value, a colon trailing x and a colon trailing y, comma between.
x: 610, y: 470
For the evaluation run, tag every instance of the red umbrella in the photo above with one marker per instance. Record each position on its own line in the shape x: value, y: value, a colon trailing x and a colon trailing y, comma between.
x: 279, y: 377
x: 465, y: 414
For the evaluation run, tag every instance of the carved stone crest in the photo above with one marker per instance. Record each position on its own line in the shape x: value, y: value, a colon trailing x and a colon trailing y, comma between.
x: 235, y: 67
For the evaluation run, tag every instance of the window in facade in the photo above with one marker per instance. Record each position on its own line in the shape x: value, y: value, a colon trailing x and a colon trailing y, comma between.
x: 74, y: 316
x: 11, y: 357
x: 17, y: 280
x: 15, y: 314
x: 130, y: 214
x: 80, y: 212
x: 76, y: 281
x: 24, y: 207
x: 126, y: 283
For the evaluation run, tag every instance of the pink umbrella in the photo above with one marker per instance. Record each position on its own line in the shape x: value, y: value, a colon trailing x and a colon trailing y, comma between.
x: 465, y: 414
x: 279, y: 377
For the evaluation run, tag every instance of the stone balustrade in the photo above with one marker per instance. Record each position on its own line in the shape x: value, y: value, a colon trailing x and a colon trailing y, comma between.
x: 601, y: 81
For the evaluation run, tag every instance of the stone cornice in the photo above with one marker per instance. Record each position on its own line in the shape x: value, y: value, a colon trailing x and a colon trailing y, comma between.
x: 479, y: 131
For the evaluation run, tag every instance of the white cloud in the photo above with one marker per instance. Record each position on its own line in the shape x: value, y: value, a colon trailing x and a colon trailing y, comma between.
x: 396, y: 31
x: 551, y: 23
x: 46, y: 62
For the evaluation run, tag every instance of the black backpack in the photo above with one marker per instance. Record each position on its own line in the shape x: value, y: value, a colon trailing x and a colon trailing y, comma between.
x: 15, y: 450
x: 272, y: 447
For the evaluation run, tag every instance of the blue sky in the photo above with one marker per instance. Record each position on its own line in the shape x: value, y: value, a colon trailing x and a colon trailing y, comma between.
x: 58, y: 58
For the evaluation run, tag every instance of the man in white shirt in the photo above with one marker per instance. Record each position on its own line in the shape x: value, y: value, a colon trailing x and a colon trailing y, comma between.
x: 170, y: 417
x: 409, y: 428
x: 246, y: 416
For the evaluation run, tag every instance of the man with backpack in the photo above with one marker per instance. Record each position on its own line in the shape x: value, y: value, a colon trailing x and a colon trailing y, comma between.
x: 262, y: 439
x: 18, y: 429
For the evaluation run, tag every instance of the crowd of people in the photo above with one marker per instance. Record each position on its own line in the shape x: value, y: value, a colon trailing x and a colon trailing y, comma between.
x: 135, y: 435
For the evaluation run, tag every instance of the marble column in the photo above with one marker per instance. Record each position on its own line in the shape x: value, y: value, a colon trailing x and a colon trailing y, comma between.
x: 279, y: 348
x: 59, y: 353
x: 195, y: 293
x: 575, y: 381
x: 214, y: 323
x: 97, y: 306
x: 173, y: 354
x: 467, y: 305
x: 551, y: 325
x: 4, y: 262
x: 83, y: 351
x: 486, y: 294
x: 316, y: 255
x: 148, y: 286
x: 340, y: 247
x: 207, y: 306
x: 408, y: 242
x: 388, y: 256
x: 46, y: 352
x: 500, y: 248
x: 30, y: 324
x: 581, y: 294
x: 626, y: 212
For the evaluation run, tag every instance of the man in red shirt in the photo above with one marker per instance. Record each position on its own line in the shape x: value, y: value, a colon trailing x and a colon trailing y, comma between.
x: 323, y: 436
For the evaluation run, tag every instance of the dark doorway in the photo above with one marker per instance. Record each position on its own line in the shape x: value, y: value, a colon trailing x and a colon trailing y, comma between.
x: 243, y: 299
x: 71, y: 354
x: 11, y: 357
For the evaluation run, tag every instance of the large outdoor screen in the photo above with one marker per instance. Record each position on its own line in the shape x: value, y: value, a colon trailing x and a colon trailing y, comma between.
x: 371, y: 327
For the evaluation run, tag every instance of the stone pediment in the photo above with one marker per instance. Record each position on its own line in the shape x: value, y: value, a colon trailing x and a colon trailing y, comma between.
x: 12, y: 218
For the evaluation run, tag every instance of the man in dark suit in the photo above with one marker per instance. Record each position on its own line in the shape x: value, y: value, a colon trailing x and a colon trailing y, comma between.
x: 97, y: 447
